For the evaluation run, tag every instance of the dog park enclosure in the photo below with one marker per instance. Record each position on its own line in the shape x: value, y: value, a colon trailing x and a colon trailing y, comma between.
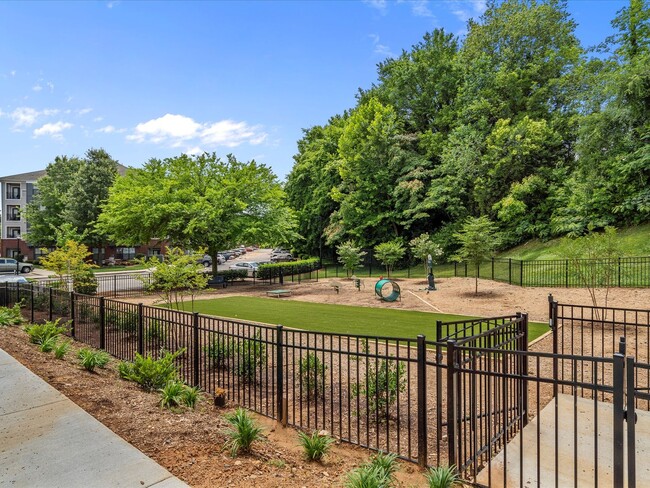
x: 457, y: 398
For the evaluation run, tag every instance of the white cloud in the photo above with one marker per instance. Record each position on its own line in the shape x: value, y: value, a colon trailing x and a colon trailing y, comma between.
x: 27, y: 116
x: 176, y: 130
x: 467, y: 9
x: 420, y: 8
x: 50, y: 85
x: 379, y: 48
x: 109, y: 129
x: 54, y: 130
x: 194, y: 151
x: 84, y: 111
x: 12, y: 72
x: 113, y: 3
x: 98, y: 119
x: 379, y: 5
x: 37, y: 87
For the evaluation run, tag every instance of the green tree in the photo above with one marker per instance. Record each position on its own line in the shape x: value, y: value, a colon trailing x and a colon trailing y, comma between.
x: 198, y: 202
x: 177, y: 276
x: 422, y: 247
x: 350, y: 256
x: 70, y: 260
x: 389, y: 253
x: 478, y: 240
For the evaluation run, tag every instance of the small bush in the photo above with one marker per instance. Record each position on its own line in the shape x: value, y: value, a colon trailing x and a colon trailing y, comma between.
x: 91, y: 359
x: 378, y: 473
x: 443, y: 477
x: 315, y: 445
x: 381, y: 385
x: 122, y: 320
x: 176, y: 394
x: 49, y: 344
x: 312, y: 375
x: 245, y: 431
x: 40, y: 333
x: 155, y: 332
x: 151, y: 374
x: 61, y: 349
x: 84, y: 282
x: 11, y: 315
x: 220, y: 351
x: 252, y: 354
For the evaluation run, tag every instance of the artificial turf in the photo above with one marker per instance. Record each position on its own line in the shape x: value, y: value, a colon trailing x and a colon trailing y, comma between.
x: 342, y: 319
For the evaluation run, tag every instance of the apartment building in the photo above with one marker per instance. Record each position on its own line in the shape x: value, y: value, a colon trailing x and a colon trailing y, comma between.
x: 16, y: 191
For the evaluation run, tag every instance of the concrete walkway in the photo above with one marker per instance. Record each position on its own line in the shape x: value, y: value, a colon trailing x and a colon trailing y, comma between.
x: 46, y: 440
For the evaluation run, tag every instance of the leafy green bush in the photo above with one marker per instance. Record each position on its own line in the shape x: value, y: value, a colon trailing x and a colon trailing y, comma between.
x: 84, y: 281
x: 233, y: 274
x: 155, y: 332
x: 378, y: 473
x: 382, y: 383
x: 315, y: 445
x: 49, y: 344
x: 61, y: 349
x: 40, y: 333
x: 151, y: 374
x: 312, y: 375
x: 272, y: 270
x: 443, y: 477
x: 11, y: 315
x: 91, y: 359
x: 220, y: 351
x: 252, y: 354
x: 176, y: 393
x: 244, y: 431
x: 122, y: 320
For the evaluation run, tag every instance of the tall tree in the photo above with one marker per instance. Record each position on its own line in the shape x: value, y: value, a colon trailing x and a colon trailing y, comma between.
x: 198, y: 201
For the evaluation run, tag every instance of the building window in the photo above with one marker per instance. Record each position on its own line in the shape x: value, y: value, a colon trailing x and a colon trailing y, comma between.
x: 154, y: 251
x: 13, y: 253
x: 13, y: 212
x: 13, y: 191
x: 13, y: 232
x: 125, y: 253
x: 39, y: 251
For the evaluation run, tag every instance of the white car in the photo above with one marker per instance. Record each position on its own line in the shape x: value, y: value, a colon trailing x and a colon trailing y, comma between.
x: 249, y: 266
x: 12, y: 279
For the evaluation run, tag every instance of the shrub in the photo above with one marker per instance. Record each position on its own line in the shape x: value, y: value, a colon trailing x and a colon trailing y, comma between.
x: 11, y: 315
x: 61, y: 349
x: 272, y: 270
x: 252, y: 354
x: 220, y: 351
x: 443, y: 477
x: 91, y: 359
x: 176, y: 393
x: 123, y: 320
x: 40, y: 333
x: 84, y: 281
x: 151, y: 374
x: 315, y: 445
x: 312, y: 374
x: 155, y: 332
x: 244, y: 431
x: 382, y: 383
x: 49, y: 344
x: 378, y: 473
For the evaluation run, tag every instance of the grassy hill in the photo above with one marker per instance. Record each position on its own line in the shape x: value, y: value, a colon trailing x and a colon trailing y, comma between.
x: 635, y: 241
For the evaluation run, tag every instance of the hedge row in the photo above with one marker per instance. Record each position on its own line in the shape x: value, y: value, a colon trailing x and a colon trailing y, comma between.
x: 272, y: 270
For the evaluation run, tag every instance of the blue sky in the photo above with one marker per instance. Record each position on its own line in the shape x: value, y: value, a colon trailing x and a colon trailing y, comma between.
x: 155, y: 79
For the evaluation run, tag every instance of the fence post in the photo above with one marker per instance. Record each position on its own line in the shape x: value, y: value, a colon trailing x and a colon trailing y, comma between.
x: 524, y: 367
x: 279, y: 371
x: 114, y: 285
x: 521, y: 272
x: 631, y: 424
x: 51, y: 306
x: 566, y: 273
x: 465, y: 269
x: 140, y: 329
x: 552, y: 323
x: 619, y: 419
x: 72, y: 315
x: 31, y: 302
x: 451, y: 402
x: 492, y: 269
x: 455, y: 269
x: 510, y: 271
x: 422, y: 401
x: 619, y: 272
x: 438, y: 378
x: 196, y: 348
x: 102, y: 323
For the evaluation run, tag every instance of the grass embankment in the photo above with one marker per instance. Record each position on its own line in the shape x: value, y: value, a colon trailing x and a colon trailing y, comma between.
x: 341, y: 319
x: 634, y: 241
x: 108, y: 269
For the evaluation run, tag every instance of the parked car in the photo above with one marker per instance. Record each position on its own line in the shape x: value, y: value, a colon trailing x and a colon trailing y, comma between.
x: 13, y: 279
x: 227, y: 254
x: 9, y: 265
x: 279, y: 257
x: 206, y: 260
x: 250, y: 267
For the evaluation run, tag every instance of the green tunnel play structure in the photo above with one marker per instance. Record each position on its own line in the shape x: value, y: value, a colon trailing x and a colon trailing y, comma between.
x: 387, y: 290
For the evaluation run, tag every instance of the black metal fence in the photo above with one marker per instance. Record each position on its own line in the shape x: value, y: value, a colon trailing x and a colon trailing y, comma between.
x: 475, y: 396
x: 621, y: 272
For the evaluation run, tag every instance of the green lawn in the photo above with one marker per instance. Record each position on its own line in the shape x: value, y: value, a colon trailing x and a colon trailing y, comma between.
x: 342, y: 319
x: 107, y: 269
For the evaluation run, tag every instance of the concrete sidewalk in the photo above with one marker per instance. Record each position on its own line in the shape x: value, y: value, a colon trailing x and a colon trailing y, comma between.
x: 46, y: 440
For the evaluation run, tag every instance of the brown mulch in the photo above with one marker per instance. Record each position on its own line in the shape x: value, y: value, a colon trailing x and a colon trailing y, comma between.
x: 189, y: 443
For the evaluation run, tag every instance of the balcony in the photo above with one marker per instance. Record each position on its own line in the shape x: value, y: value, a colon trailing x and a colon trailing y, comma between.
x: 13, y: 192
